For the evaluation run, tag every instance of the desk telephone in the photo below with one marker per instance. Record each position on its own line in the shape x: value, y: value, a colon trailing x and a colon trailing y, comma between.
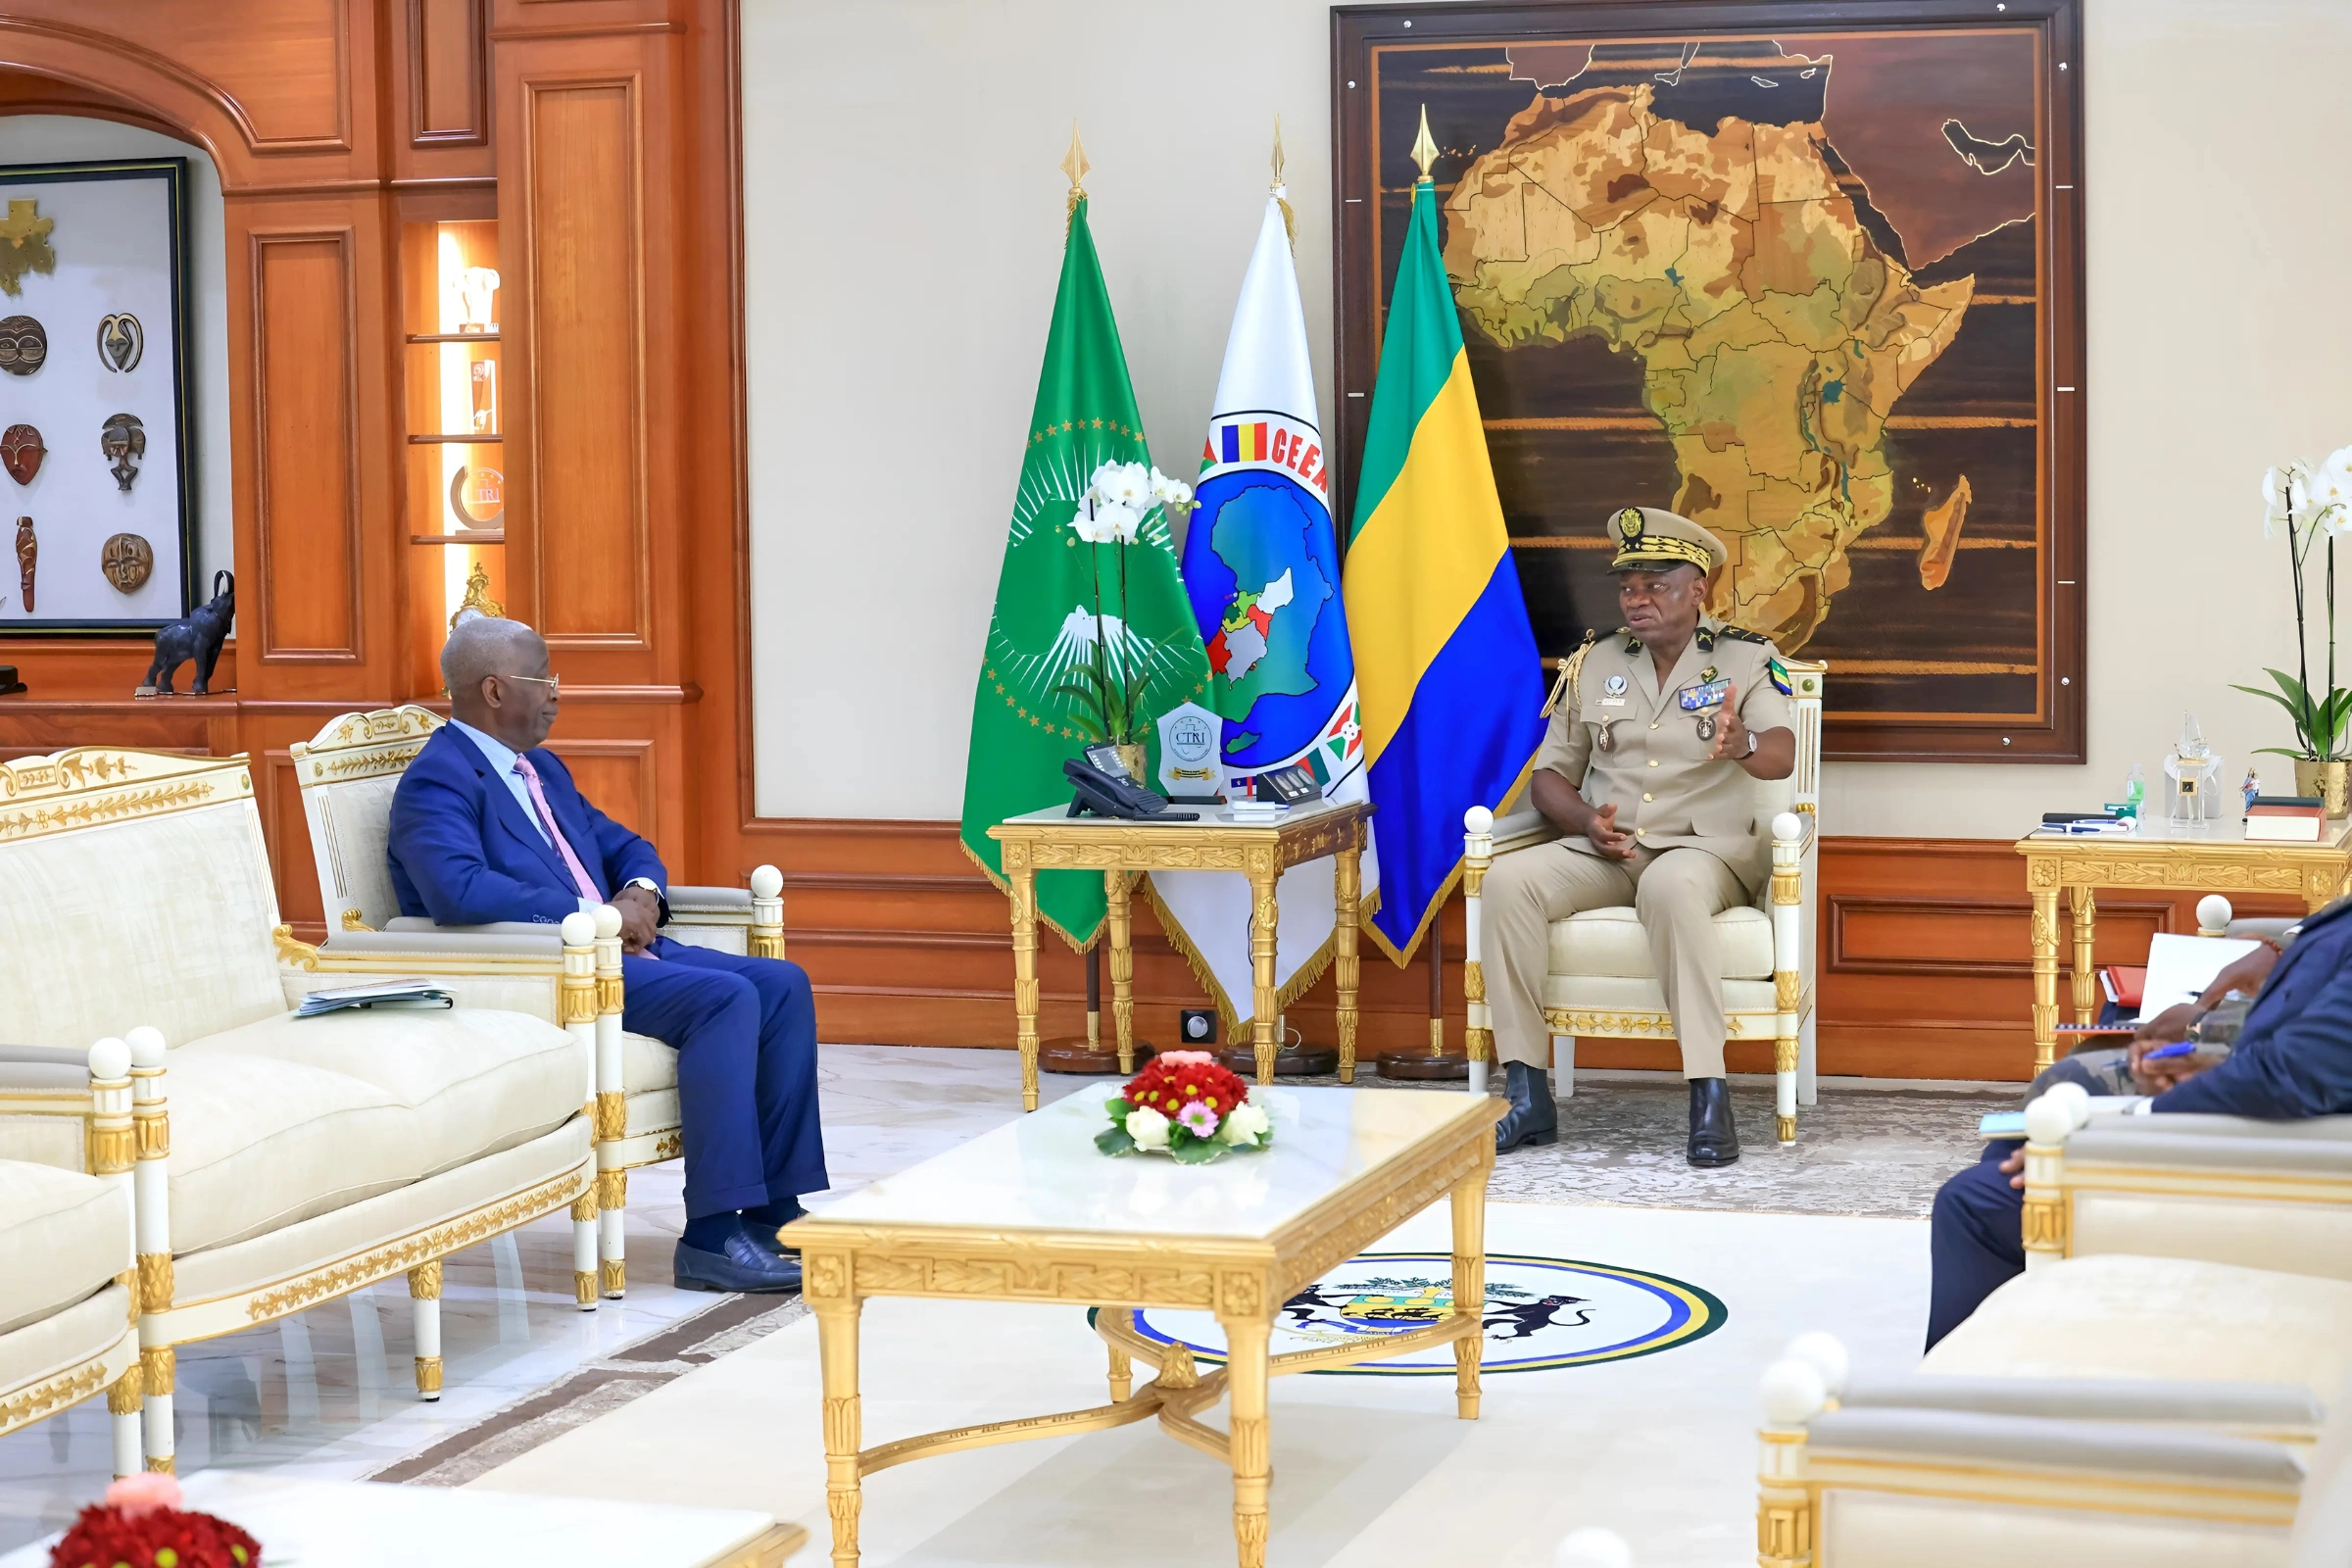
x: 1105, y: 789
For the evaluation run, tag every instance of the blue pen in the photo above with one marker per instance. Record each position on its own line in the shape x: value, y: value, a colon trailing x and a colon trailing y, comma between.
x: 2180, y: 1050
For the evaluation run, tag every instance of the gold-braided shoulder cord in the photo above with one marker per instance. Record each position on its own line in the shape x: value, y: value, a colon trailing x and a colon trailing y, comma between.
x: 1571, y: 669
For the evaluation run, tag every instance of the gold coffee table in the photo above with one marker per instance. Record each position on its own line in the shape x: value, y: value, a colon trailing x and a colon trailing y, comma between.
x: 1033, y: 1212
x: 2210, y: 858
x: 1053, y: 840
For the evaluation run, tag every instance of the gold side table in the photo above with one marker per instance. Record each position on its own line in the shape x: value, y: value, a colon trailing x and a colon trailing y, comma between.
x: 2212, y: 857
x: 1052, y: 840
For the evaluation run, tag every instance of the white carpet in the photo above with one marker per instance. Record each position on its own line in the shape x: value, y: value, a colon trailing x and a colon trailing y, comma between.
x: 1367, y: 1470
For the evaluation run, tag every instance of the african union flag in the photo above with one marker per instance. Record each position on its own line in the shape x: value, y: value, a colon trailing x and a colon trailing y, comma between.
x: 1452, y: 686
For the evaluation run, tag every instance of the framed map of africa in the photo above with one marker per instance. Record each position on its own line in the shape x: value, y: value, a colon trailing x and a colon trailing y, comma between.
x: 1807, y: 271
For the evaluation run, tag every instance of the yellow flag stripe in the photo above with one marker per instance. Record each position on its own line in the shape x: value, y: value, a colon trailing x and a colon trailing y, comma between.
x: 1423, y: 557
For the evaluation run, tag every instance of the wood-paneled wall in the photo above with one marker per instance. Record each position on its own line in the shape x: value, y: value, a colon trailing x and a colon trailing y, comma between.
x: 601, y: 135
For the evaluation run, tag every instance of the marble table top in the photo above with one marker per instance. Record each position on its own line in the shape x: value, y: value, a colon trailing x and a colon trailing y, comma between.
x: 1208, y: 817
x: 1043, y: 1172
x: 357, y: 1524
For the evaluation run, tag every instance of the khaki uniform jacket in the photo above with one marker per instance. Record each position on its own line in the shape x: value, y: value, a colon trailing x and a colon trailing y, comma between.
x: 1655, y: 769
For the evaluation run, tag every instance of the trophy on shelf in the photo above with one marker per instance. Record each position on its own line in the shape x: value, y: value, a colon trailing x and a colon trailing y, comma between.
x: 2195, y: 771
x: 477, y: 286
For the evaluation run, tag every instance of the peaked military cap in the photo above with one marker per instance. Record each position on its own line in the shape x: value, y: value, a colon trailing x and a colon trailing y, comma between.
x: 1651, y: 540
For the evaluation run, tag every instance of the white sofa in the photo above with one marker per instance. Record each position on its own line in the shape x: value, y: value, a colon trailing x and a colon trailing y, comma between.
x: 277, y: 1163
x: 1600, y: 981
x: 69, y: 1276
x: 348, y: 773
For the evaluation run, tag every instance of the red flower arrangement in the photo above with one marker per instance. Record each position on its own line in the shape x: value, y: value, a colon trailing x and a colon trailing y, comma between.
x: 140, y: 1524
x: 1186, y: 1106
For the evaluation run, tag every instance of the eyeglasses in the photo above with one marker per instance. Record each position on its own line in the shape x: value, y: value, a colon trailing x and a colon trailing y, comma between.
x: 552, y: 683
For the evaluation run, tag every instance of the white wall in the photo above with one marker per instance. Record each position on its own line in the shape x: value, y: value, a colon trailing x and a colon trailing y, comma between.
x: 57, y: 138
x: 903, y: 232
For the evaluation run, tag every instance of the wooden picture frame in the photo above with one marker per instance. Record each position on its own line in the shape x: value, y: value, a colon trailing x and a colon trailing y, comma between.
x: 119, y: 236
x: 1855, y: 533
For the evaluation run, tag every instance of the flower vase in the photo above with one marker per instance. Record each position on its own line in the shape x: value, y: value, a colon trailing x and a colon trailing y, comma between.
x: 2329, y: 781
x: 1132, y: 758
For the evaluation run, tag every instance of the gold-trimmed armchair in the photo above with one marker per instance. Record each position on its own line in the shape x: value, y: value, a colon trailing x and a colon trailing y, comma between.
x: 348, y: 773
x: 68, y: 1274
x: 275, y: 1163
x: 1600, y: 981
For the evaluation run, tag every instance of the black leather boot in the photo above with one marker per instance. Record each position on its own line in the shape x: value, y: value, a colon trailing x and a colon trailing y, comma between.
x: 1714, y: 1141
x: 1533, y: 1117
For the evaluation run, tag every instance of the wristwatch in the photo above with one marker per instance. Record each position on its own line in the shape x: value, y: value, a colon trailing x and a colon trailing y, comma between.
x: 651, y: 885
x: 1752, y: 745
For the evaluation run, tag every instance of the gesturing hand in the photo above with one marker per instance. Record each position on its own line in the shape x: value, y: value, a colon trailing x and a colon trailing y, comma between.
x: 640, y: 918
x: 1608, y: 837
x: 1731, y: 736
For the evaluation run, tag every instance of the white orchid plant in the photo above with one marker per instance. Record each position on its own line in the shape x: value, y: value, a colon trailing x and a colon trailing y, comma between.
x: 1107, y: 696
x: 2310, y: 502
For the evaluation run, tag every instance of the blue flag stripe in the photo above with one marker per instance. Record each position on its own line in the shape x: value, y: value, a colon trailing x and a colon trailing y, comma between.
x: 1476, y: 718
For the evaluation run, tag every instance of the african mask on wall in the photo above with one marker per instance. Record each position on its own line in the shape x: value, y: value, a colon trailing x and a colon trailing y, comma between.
x: 29, y: 553
x: 121, y: 340
x: 20, y: 452
x: 23, y: 345
x: 123, y: 442
x: 128, y: 561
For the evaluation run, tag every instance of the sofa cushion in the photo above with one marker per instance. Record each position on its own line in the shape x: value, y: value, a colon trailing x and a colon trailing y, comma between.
x: 287, y: 1119
x: 649, y: 1074
x: 66, y: 1340
x: 63, y: 1236
x: 2119, y: 1315
x: 161, y: 919
x: 1611, y: 942
x: 1610, y: 993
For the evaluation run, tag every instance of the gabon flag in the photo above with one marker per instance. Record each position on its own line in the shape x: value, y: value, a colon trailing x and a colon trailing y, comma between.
x: 1452, y: 686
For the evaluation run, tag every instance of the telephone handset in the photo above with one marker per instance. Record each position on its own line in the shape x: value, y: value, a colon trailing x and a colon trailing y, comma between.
x: 1108, y: 793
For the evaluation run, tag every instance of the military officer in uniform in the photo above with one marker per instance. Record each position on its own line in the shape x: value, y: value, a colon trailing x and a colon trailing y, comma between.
x: 1657, y: 730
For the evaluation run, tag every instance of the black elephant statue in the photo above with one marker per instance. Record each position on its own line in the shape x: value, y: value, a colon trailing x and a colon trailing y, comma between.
x: 197, y: 636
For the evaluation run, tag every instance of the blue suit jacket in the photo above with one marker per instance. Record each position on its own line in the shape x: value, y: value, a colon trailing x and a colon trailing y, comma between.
x: 2294, y: 1056
x: 464, y: 852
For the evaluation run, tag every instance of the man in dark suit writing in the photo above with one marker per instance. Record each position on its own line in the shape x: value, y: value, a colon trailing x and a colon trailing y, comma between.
x: 488, y: 826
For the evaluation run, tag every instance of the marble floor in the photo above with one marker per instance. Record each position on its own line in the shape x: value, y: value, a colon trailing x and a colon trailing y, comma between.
x: 327, y: 1393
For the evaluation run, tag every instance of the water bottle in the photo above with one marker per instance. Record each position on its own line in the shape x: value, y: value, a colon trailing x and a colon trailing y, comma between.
x: 2136, y: 788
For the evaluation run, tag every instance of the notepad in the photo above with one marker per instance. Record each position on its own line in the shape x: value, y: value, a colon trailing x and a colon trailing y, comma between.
x: 409, y: 994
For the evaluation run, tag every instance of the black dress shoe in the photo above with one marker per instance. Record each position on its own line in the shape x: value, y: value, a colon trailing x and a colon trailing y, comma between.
x: 1714, y: 1141
x: 1533, y: 1117
x: 741, y: 1264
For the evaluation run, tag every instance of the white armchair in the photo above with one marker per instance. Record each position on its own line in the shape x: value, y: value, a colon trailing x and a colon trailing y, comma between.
x: 348, y: 773
x: 1600, y: 981
x: 69, y: 1273
x: 275, y: 1163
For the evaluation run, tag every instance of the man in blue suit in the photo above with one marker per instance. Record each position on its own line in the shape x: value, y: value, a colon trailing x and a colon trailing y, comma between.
x: 488, y: 826
x: 2293, y: 1059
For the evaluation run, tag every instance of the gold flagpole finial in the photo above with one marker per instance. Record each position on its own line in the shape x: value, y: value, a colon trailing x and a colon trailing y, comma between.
x: 1425, y: 151
x: 1074, y: 163
x: 1277, y: 187
x: 1289, y: 219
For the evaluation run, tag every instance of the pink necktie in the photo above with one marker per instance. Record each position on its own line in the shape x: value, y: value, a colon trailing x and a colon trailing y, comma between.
x: 554, y: 834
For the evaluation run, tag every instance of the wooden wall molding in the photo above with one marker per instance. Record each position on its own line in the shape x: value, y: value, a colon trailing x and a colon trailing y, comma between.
x: 449, y: 74
x: 306, y: 445
x: 1845, y: 912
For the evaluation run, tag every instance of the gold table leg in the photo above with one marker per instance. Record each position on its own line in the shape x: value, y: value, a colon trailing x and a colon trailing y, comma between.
x: 2045, y: 977
x: 2087, y: 916
x: 1469, y: 1288
x: 836, y: 1353
x: 1118, y: 887
x: 1247, y: 1340
x: 1264, y: 869
x: 1348, y: 968
x: 1023, y: 878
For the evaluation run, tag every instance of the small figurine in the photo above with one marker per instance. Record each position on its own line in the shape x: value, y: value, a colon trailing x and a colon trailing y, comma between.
x: 2251, y: 788
x: 197, y: 636
x: 124, y: 441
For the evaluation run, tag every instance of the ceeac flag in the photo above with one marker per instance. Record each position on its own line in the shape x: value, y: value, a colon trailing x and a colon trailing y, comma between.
x: 1262, y: 569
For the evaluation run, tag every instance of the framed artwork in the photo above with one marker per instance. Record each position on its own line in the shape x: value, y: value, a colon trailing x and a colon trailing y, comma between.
x: 1807, y: 271
x: 97, y: 503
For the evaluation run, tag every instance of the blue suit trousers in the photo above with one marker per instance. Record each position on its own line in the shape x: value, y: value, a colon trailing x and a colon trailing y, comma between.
x: 1977, y: 1240
x: 745, y: 1031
